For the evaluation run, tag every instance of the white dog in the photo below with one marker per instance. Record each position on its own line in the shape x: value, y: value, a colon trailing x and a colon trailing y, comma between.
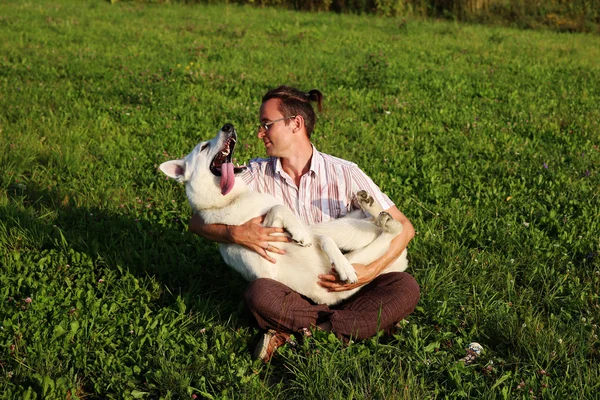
x: 214, y: 191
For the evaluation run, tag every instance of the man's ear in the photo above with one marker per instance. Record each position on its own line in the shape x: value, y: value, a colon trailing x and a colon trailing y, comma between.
x: 299, y: 122
x: 174, y: 169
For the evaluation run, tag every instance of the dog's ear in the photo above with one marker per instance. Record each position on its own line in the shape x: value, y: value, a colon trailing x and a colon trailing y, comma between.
x: 174, y: 169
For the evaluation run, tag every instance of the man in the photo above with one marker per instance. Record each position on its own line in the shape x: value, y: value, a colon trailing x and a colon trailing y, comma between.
x: 317, y: 187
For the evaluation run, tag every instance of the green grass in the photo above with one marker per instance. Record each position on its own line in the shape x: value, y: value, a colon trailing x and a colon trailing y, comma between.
x: 486, y: 138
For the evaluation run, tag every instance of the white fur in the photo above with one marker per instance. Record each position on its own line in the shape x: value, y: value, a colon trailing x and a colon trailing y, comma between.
x: 315, y: 248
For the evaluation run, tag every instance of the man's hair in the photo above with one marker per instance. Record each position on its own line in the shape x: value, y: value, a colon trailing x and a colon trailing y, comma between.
x: 295, y: 102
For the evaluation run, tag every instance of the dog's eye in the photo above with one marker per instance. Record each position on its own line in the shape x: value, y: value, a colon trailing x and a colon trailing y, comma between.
x: 203, y: 147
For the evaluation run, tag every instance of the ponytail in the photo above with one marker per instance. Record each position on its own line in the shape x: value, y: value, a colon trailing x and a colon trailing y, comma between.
x: 316, y: 96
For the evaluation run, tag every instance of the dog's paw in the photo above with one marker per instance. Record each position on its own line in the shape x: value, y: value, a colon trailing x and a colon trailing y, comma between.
x: 364, y: 199
x: 303, y: 243
x: 301, y: 238
x: 387, y: 223
x: 345, y: 271
x: 352, y: 277
x: 368, y: 203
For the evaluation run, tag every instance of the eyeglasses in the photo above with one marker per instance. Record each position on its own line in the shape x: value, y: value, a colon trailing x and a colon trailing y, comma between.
x: 264, y: 126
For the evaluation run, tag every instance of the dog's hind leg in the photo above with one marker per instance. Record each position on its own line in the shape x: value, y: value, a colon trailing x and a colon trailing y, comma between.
x: 388, y: 224
x: 368, y: 203
x: 340, y: 263
x: 382, y: 219
x: 281, y: 217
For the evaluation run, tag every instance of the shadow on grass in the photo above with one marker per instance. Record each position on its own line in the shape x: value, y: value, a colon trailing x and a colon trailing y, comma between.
x: 185, y: 266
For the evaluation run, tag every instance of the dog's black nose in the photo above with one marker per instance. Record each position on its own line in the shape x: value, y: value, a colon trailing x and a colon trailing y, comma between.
x: 227, y: 128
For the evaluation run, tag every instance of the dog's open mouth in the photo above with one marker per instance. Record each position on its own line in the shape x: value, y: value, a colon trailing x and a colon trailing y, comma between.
x: 222, y: 166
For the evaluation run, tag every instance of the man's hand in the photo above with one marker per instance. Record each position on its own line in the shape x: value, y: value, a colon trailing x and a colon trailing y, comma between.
x: 366, y: 273
x: 256, y: 237
x: 332, y: 281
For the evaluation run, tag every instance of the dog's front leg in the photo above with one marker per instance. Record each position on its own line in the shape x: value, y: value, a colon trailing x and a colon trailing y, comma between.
x: 340, y: 263
x: 281, y: 217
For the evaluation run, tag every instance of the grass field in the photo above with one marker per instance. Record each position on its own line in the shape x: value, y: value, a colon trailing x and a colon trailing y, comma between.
x: 486, y: 138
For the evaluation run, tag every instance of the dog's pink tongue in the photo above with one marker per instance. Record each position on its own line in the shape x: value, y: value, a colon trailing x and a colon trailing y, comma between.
x: 227, y: 178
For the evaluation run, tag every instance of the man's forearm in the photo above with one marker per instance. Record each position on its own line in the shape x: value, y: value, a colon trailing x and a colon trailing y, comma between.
x: 214, y: 232
x: 397, y: 246
x: 252, y: 235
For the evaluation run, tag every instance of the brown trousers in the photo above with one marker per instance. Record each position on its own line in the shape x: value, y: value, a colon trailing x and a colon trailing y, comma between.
x: 378, y: 306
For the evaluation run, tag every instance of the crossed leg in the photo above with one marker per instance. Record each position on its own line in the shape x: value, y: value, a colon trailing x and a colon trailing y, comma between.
x: 379, y: 305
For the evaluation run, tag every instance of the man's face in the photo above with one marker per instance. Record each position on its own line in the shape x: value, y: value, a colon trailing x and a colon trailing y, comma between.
x: 278, y: 135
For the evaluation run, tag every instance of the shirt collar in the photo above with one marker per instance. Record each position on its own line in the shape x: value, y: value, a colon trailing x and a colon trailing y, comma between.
x: 315, y: 162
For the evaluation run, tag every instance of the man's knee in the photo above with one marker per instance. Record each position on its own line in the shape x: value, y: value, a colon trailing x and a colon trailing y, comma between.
x: 408, y: 286
x: 408, y: 290
x: 405, y: 288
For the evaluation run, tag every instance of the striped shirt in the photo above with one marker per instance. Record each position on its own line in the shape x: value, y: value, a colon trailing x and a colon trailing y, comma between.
x: 327, y: 191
